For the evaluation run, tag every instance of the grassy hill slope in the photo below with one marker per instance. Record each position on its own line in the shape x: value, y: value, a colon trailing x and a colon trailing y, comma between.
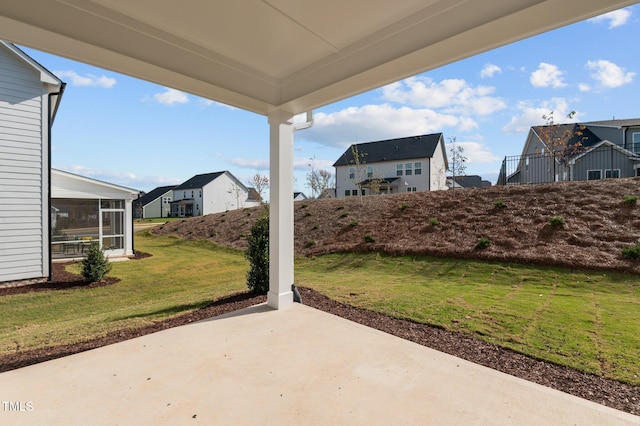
x: 598, y: 224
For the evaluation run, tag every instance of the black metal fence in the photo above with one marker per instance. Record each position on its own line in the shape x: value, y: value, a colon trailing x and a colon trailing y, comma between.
x: 603, y: 161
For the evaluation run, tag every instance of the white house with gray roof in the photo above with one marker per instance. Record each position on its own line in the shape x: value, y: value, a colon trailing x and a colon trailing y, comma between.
x: 411, y: 164
x: 210, y: 193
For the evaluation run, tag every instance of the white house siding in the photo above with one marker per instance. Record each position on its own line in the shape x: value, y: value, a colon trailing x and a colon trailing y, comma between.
x: 23, y: 171
x: 223, y: 194
x: 385, y: 169
x: 437, y: 169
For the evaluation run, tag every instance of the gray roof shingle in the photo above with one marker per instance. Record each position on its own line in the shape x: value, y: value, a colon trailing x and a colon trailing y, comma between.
x: 628, y: 122
x: 198, y: 181
x: 152, y: 195
x: 422, y: 146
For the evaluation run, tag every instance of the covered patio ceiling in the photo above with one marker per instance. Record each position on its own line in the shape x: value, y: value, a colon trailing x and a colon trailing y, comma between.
x: 293, y: 55
x: 281, y: 57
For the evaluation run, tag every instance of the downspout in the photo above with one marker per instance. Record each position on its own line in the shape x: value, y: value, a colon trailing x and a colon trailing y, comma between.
x: 306, y: 124
x: 133, y: 228
x: 50, y: 117
x: 296, y: 127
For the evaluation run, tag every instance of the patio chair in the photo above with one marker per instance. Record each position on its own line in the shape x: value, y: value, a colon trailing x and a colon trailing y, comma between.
x: 86, y: 243
x: 67, y: 247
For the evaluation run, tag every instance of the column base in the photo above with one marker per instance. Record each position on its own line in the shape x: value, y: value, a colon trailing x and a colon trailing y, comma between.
x: 279, y: 301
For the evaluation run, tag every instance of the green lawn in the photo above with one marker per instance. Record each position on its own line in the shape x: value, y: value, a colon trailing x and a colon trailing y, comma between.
x: 586, y: 320
x: 180, y: 277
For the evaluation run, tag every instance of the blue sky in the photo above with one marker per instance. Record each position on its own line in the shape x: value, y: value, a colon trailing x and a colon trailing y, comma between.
x: 138, y: 134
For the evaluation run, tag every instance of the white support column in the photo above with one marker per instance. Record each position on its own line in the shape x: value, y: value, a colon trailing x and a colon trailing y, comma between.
x: 281, y: 249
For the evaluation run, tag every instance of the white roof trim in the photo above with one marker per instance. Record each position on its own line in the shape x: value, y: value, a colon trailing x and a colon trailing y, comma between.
x: 95, y: 182
x: 46, y: 76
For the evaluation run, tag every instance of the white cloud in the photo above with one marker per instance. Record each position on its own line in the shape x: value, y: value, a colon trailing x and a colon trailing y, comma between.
x: 376, y: 122
x: 609, y: 74
x: 615, y: 19
x: 583, y: 87
x: 127, y: 179
x: 547, y: 75
x: 490, y: 70
x: 304, y: 164
x: 254, y: 163
x: 455, y: 96
x: 170, y: 97
x: 300, y: 164
x: 531, y: 115
x: 475, y: 152
x: 86, y: 80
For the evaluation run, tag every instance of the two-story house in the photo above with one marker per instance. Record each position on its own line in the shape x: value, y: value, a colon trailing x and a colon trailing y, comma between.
x: 581, y: 151
x: 210, y: 193
x: 411, y: 164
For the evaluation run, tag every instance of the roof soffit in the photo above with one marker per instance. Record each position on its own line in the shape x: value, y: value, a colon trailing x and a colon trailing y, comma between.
x: 290, y: 54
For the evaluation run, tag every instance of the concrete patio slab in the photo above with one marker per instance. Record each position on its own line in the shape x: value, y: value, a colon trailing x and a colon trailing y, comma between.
x: 292, y: 366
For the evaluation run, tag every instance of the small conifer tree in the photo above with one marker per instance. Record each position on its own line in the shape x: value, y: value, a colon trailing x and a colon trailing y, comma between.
x: 258, y: 255
x: 96, y: 265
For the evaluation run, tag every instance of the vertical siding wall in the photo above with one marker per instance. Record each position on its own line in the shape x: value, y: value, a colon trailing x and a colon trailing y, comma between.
x: 22, y: 164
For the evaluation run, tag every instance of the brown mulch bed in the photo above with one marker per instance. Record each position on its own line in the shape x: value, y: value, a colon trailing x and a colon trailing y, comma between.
x: 603, y: 391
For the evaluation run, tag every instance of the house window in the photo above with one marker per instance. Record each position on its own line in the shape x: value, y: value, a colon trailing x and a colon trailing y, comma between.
x: 200, y: 193
x: 191, y: 194
x: 635, y: 138
x: 594, y: 174
x: 347, y: 192
x: 352, y: 173
x: 609, y: 175
x: 408, y: 169
x: 417, y: 168
x: 362, y: 190
x: 369, y: 171
x: 184, y: 194
x: 354, y: 192
x: 398, y: 169
x: 411, y: 189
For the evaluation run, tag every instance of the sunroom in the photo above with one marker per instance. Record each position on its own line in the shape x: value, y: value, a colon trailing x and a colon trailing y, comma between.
x: 86, y: 211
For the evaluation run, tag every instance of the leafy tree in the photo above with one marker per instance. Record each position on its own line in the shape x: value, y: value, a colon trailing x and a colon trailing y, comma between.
x: 96, y: 265
x: 260, y: 183
x: 258, y: 255
x: 457, y: 161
